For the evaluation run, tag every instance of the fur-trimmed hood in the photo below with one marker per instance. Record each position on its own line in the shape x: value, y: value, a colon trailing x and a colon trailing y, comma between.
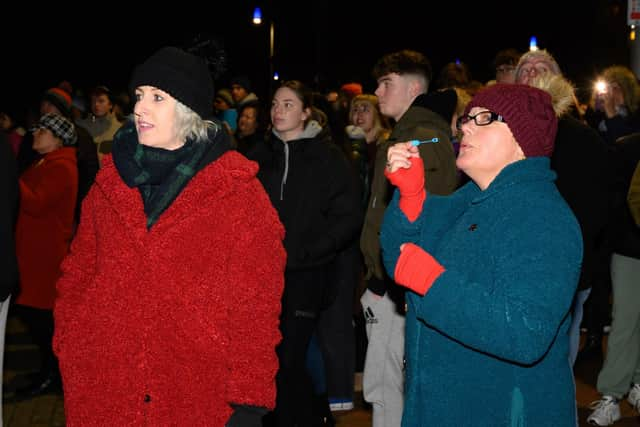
x: 561, y: 90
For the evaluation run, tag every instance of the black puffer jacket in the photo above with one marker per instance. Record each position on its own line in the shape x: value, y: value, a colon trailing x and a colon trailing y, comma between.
x: 315, y: 192
x: 623, y: 232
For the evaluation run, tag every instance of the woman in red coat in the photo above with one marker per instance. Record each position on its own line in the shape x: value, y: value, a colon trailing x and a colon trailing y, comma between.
x: 167, y: 311
x: 48, y: 191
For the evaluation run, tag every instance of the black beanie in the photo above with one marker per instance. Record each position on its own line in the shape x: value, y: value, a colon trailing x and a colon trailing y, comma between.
x: 242, y: 81
x: 442, y: 102
x: 182, y: 75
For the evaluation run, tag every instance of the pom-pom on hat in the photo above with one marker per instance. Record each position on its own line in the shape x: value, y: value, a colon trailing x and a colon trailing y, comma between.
x: 182, y: 75
x: 352, y: 89
x: 61, y: 127
x: 526, y: 110
x: 60, y: 99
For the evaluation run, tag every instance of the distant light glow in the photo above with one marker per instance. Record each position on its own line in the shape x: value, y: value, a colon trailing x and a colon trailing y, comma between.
x: 257, y: 16
x: 457, y: 61
x: 632, y: 33
x: 533, y: 43
x: 601, y: 86
x: 276, y: 76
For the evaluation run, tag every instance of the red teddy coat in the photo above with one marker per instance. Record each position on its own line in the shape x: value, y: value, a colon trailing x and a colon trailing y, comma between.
x: 169, y: 326
x: 48, y: 191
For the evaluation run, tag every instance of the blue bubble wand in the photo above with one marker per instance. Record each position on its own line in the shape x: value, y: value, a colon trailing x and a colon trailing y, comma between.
x: 417, y: 142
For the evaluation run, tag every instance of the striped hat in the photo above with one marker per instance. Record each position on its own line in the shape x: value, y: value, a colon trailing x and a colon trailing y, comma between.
x: 60, y: 99
x: 60, y: 127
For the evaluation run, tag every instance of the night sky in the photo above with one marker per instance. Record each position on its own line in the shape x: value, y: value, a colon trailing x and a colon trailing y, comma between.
x: 321, y: 43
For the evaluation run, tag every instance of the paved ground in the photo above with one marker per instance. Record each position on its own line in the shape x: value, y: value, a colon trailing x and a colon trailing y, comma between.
x: 46, y: 411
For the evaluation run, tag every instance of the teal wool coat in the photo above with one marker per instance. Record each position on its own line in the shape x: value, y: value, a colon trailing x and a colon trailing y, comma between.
x: 487, y: 345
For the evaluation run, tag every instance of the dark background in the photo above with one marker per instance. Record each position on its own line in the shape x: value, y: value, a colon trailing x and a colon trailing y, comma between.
x: 323, y: 43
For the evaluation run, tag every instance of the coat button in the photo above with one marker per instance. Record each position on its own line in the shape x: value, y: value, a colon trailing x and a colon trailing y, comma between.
x: 473, y: 227
x: 406, y: 307
x: 147, y: 398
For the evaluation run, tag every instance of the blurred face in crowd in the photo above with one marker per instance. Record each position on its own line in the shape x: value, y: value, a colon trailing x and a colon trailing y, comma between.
x: 44, y: 141
x: 486, y: 149
x: 361, y: 115
x: 248, y: 121
x: 287, y: 114
x: 155, y: 118
x: 220, y: 104
x: 100, y: 105
x: 533, y: 68
x: 5, y: 121
x: 506, y: 73
x: 47, y: 107
x: 238, y: 93
x: 395, y: 94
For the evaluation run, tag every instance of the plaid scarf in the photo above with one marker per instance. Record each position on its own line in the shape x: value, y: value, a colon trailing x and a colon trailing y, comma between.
x: 159, y: 174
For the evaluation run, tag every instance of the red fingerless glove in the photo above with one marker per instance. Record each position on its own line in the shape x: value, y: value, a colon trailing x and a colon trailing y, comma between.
x: 416, y: 269
x: 410, y: 183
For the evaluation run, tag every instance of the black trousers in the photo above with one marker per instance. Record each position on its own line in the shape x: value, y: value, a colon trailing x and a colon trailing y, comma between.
x: 39, y: 323
x: 301, y: 303
x: 336, y: 334
x: 597, y: 309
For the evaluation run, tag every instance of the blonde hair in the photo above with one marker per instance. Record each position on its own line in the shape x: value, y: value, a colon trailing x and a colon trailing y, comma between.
x: 541, y: 55
x: 189, y: 124
x: 628, y: 83
x: 380, y: 122
x: 463, y: 99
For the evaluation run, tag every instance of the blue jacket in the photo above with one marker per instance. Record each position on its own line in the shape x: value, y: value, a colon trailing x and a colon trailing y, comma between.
x: 487, y: 345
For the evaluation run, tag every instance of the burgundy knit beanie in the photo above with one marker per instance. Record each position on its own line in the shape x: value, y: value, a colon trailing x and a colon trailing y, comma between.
x: 526, y: 110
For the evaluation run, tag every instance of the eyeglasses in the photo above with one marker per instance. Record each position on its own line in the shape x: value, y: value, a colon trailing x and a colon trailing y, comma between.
x: 534, y: 69
x: 483, y: 118
x: 505, y: 69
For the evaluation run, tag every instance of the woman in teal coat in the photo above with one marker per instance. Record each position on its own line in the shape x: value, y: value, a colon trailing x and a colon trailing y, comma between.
x: 493, y: 268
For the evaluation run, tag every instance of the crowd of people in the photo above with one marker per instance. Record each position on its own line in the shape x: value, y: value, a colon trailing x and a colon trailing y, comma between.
x: 183, y: 255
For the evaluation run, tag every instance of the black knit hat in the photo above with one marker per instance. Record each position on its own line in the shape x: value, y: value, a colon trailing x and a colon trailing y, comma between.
x: 442, y: 102
x: 242, y: 81
x: 182, y: 75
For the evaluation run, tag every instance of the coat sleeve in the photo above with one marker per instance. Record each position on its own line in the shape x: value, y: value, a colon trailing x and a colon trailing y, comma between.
x: 439, y: 159
x: 397, y: 230
x: 633, y: 197
x: 78, y: 270
x: 517, y: 313
x: 36, y: 200
x: 256, y: 283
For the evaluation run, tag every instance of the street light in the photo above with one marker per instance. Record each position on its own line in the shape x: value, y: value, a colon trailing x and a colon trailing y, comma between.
x: 257, y: 20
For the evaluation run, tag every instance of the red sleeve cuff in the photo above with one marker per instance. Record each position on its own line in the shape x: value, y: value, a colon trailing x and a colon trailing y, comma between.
x: 416, y: 269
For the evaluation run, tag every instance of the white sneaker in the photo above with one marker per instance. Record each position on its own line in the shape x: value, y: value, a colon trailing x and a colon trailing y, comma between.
x: 634, y: 397
x: 340, y: 405
x: 606, y: 411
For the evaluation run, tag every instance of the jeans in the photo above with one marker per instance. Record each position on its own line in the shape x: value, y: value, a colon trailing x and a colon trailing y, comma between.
x: 574, y: 328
